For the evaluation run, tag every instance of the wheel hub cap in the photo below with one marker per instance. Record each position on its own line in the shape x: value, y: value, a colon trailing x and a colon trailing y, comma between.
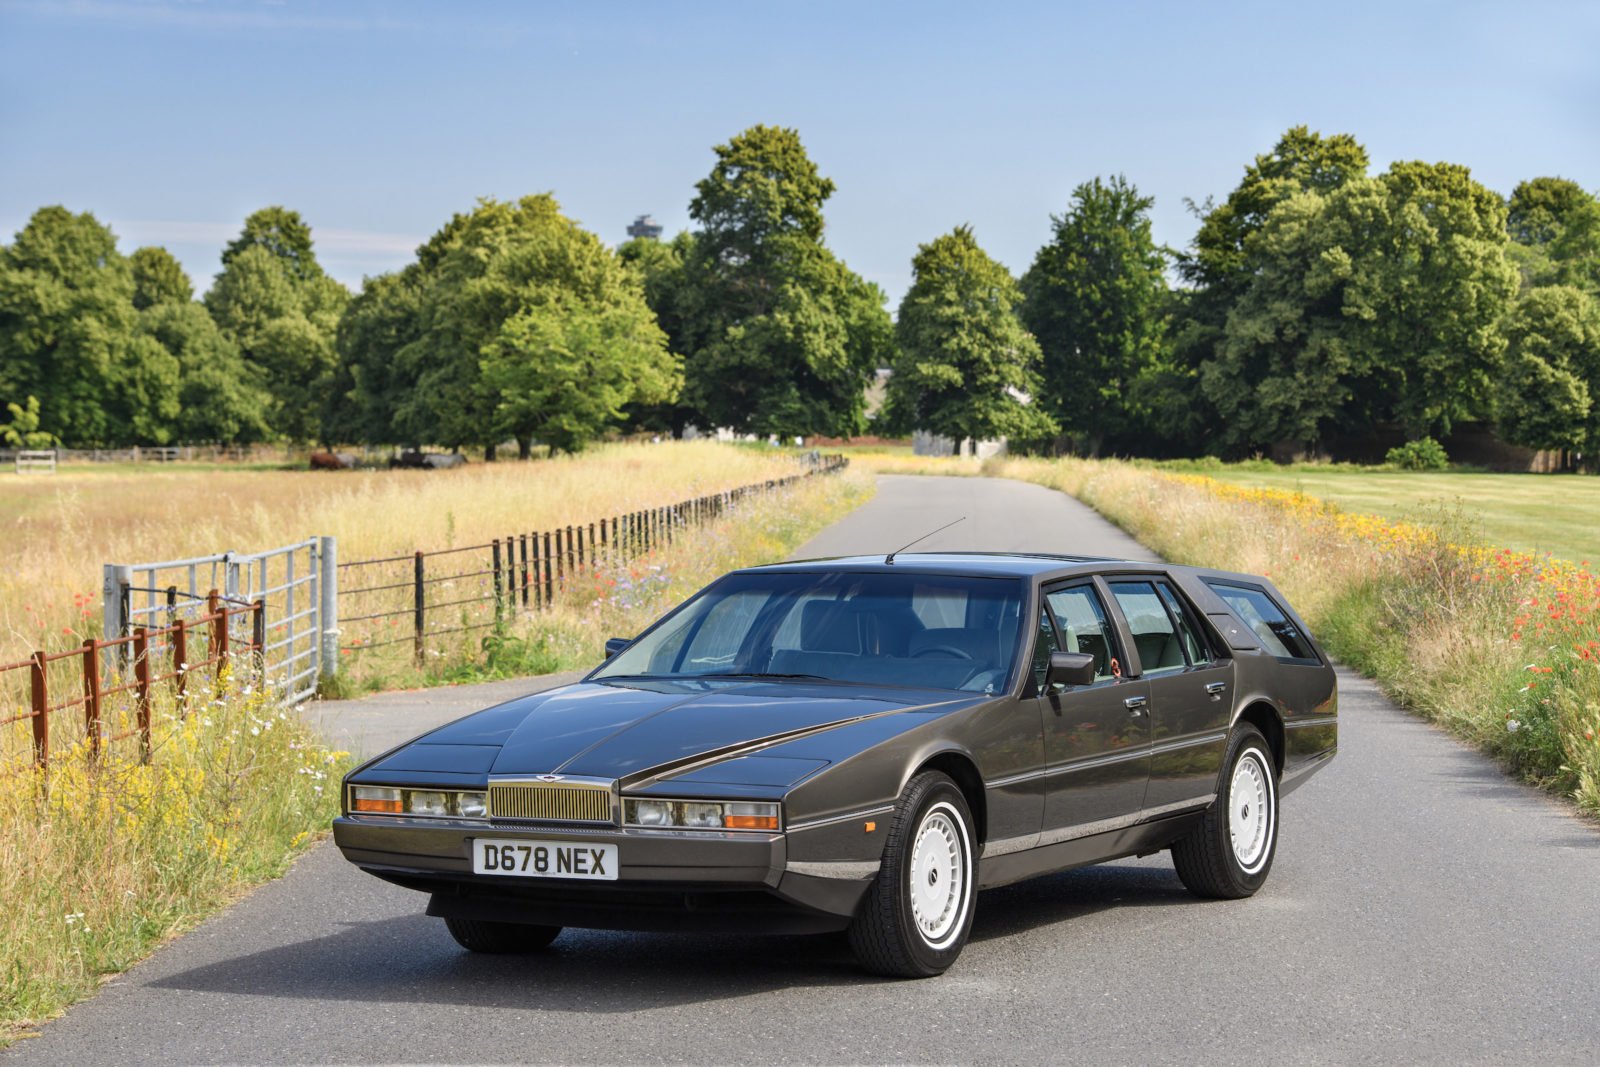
x: 1250, y: 826
x: 938, y: 876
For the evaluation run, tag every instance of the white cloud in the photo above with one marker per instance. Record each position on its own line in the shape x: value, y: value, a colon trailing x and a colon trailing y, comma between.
x: 331, y: 243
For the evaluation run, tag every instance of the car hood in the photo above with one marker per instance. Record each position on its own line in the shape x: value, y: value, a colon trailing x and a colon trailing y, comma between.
x: 644, y: 730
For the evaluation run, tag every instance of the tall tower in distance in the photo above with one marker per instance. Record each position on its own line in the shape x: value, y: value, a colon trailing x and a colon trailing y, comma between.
x: 645, y: 226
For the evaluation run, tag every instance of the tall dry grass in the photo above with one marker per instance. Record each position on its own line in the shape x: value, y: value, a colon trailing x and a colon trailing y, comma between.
x: 102, y: 861
x: 59, y: 530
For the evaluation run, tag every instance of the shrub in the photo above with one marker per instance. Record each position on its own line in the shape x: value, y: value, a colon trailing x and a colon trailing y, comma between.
x: 1424, y: 454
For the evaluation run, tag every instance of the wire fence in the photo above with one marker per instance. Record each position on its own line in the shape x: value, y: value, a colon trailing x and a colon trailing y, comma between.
x: 419, y: 598
x: 182, y: 661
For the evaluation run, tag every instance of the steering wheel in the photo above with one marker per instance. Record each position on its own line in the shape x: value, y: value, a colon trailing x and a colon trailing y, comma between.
x: 949, y: 651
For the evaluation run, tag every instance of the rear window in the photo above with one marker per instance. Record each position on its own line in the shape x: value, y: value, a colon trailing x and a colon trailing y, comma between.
x: 1271, y: 624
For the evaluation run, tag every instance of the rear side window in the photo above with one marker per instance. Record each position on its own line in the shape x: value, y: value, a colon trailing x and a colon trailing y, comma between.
x: 1154, y: 635
x: 1271, y: 625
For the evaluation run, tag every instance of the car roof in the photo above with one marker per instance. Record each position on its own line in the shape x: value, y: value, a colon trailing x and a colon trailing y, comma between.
x: 985, y: 564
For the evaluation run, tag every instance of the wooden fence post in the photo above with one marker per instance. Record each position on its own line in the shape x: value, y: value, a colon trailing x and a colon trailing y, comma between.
x: 258, y: 637
x: 522, y: 542
x: 180, y: 663
x: 549, y: 578
x: 91, y: 695
x: 219, y: 642
x: 141, y: 678
x: 41, y: 710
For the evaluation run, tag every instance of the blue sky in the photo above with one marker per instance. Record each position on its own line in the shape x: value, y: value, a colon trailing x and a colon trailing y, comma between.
x: 173, y: 119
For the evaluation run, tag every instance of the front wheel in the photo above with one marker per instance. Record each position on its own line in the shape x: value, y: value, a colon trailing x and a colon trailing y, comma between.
x: 481, y: 935
x: 915, y: 918
x: 1229, y: 854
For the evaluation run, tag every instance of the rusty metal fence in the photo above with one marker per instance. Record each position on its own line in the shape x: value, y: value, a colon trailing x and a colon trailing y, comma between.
x: 177, y: 660
x: 418, y: 598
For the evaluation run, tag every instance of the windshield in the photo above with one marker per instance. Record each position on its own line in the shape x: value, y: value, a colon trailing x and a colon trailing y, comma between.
x: 921, y: 630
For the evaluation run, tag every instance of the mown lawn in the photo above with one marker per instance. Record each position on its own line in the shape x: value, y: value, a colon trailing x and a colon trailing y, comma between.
x: 1557, y: 514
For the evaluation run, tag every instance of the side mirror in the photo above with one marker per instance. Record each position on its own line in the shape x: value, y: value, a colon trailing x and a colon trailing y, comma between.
x: 1070, y: 668
x: 616, y: 644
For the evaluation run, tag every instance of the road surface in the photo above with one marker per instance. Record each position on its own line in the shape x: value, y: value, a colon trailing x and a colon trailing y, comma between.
x: 1422, y: 908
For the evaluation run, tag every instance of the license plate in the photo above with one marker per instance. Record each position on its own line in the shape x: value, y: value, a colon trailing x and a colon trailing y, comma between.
x: 544, y: 859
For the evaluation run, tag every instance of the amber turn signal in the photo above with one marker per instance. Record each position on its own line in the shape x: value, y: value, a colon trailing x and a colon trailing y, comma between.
x: 377, y: 800
x: 750, y: 822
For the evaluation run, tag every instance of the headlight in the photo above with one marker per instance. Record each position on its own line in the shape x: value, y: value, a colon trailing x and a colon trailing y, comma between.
x: 419, y: 802
x: 429, y: 803
x: 701, y: 814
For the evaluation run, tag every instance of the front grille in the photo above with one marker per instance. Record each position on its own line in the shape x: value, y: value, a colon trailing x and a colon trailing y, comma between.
x: 550, y: 802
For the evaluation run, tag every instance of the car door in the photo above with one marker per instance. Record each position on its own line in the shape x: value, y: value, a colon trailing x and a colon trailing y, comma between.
x: 1189, y: 692
x: 1097, y: 736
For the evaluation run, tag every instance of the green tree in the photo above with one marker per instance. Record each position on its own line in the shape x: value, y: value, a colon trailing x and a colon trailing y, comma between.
x: 1095, y: 299
x: 69, y: 336
x: 220, y: 398
x: 1379, y: 301
x: 779, y: 336
x: 281, y: 232
x: 158, y: 278
x: 965, y: 360
x: 1540, y: 208
x: 515, y: 322
x: 23, y: 430
x: 273, y: 301
x: 369, y: 387
x: 1553, y: 377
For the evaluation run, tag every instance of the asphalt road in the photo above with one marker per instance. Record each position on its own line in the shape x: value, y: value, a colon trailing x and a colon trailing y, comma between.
x: 1422, y: 908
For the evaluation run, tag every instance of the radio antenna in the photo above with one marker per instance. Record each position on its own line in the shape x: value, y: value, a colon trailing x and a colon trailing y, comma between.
x: 889, y: 559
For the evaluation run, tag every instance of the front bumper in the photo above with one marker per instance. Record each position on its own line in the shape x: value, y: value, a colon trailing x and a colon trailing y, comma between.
x: 667, y: 879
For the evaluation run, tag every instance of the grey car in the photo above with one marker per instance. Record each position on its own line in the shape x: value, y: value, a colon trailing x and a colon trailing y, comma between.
x: 863, y: 744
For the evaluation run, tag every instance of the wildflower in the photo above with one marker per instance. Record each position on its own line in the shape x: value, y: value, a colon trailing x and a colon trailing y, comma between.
x: 1513, y: 725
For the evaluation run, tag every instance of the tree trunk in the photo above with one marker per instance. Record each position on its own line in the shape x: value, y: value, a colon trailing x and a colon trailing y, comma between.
x: 524, y: 448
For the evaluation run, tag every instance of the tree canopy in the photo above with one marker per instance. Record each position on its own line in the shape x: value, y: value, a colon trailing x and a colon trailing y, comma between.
x: 967, y: 367
x: 778, y: 335
x: 1380, y: 301
x: 1095, y: 299
x: 514, y: 322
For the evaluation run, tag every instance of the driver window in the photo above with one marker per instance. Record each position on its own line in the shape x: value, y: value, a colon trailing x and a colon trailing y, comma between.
x: 1082, y: 622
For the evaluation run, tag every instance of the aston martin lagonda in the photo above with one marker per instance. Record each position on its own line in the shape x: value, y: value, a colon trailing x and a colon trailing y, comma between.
x: 864, y: 744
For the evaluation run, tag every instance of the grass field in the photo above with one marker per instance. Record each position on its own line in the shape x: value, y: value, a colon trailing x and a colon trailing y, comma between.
x: 1539, y: 513
x: 59, y: 529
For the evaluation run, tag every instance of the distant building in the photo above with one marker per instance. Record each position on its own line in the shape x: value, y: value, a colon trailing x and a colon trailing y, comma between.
x: 645, y: 226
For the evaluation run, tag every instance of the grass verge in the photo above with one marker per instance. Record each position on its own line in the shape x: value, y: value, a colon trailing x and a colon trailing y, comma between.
x: 101, y: 863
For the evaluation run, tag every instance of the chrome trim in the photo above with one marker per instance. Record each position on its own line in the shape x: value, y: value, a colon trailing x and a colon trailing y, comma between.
x: 843, y: 869
x: 1007, y: 845
x: 1169, y: 809
x: 1215, y: 688
x: 1188, y: 742
x: 815, y: 824
x: 1325, y: 720
x: 1136, y: 702
x: 1013, y: 779
x: 530, y: 786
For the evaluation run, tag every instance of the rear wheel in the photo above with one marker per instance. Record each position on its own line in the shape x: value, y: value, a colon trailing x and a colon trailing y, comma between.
x: 915, y: 918
x: 1230, y: 853
x: 481, y: 935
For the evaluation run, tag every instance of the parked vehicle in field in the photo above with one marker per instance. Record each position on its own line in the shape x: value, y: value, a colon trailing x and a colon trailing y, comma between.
x: 863, y: 744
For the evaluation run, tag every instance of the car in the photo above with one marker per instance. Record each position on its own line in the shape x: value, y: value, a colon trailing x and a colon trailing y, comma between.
x: 863, y: 744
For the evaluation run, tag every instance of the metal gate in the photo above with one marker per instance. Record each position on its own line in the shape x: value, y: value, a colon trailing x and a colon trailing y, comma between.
x: 295, y: 584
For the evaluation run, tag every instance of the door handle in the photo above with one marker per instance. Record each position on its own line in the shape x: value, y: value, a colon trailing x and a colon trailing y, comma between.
x: 1216, y: 688
x: 1136, y: 704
